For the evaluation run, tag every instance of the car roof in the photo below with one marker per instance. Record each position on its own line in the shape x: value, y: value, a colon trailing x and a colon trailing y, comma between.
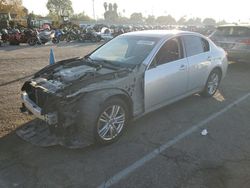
x: 235, y: 25
x: 158, y: 33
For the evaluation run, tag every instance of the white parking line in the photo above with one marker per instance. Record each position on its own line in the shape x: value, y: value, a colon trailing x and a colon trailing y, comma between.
x: 125, y: 172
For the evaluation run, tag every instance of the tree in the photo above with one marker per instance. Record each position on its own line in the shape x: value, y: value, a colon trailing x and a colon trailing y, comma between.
x: 222, y: 22
x: 136, y: 17
x: 123, y: 20
x: 12, y: 7
x: 81, y: 16
x: 111, y: 14
x: 105, y: 5
x: 168, y: 20
x: 110, y: 7
x: 194, y: 21
x: 209, y: 21
x: 115, y: 7
x: 60, y: 8
x: 182, y: 20
x: 150, y: 19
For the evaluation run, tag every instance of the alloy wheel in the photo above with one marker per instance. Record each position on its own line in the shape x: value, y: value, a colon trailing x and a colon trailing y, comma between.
x: 111, y: 122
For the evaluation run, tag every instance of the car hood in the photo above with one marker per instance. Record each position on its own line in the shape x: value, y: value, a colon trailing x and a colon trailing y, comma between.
x: 69, y: 76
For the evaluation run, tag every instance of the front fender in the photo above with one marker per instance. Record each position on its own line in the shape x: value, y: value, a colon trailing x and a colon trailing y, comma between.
x: 104, y: 94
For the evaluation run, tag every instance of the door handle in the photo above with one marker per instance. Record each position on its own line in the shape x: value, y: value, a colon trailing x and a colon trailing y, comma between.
x: 182, y: 67
x: 209, y: 58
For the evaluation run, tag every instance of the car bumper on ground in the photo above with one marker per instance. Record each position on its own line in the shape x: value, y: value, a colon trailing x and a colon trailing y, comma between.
x: 50, y: 118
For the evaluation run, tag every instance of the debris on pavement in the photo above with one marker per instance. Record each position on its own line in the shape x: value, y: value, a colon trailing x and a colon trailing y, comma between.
x: 204, y: 132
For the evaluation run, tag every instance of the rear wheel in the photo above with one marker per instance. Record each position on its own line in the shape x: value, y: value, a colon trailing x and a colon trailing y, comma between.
x: 32, y: 41
x: 212, y: 83
x: 55, y: 40
x: 93, y: 39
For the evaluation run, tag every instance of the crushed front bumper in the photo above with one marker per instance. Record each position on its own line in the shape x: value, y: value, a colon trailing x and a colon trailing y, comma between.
x: 50, y: 118
x: 44, y: 132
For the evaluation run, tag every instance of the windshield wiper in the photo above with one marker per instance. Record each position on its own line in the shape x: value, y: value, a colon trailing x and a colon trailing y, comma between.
x: 93, y: 62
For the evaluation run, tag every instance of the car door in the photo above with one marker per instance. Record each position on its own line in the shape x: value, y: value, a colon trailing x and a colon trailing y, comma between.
x: 199, y: 60
x: 166, y: 77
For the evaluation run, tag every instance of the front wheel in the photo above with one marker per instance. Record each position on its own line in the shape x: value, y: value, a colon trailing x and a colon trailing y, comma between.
x: 106, y: 124
x: 212, y: 83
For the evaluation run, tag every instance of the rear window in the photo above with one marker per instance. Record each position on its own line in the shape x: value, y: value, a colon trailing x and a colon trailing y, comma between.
x: 195, y: 45
x: 233, y: 31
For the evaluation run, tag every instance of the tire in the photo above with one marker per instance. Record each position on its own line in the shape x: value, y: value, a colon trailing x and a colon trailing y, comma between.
x: 32, y: 41
x: 212, y: 83
x: 98, y: 126
x: 55, y: 40
x: 68, y: 39
x: 93, y: 39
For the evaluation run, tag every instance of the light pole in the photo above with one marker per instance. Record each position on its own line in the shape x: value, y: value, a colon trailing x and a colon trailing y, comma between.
x: 94, y: 9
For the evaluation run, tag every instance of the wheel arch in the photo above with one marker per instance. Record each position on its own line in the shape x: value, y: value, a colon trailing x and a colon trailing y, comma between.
x: 100, y: 96
x: 219, y: 69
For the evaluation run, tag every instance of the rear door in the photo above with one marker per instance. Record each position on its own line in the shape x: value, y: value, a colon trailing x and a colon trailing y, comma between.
x: 166, y: 78
x: 199, y: 60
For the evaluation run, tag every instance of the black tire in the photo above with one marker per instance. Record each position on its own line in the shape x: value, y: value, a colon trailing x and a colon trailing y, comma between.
x: 55, y: 40
x: 32, y: 41
x: 93, y: 39
x: 90, y: 118
x: 207, y: 92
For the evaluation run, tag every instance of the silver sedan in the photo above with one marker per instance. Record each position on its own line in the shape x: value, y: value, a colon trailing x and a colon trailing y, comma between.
x: 127, y: 77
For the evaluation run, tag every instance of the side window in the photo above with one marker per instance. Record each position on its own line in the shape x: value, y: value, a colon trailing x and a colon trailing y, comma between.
x: 194, y: 45
x: 172, y: 50
x: 205, y: 44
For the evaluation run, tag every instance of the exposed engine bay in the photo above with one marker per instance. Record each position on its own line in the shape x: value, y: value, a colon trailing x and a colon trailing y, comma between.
x: 54, y: 93
x: 64, y: 75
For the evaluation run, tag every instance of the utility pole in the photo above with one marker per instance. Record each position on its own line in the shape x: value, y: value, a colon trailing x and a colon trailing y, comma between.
x: 94, y: 9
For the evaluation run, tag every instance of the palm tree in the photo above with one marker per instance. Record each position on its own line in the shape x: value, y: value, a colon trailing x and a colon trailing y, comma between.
x: 115, y: 7
x: 110, y: 7
x: 105, y: 6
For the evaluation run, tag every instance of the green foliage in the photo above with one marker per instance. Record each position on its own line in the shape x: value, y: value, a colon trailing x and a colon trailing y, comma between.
x: 136, y: 17
x: 194, y: 21
x: 13, y: 7
x: 209, y: 21
x: 81, y: 17
x: 166, y: 20
x: 111, y: 14
x: 58, y: 8
x: 222, y: 22
x: 150, y: 19
x: 182, y: 20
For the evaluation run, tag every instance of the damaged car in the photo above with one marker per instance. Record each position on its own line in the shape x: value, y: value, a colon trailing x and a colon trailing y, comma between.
x: 93, y: 99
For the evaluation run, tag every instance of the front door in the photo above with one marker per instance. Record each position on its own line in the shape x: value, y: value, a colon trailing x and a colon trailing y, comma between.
x: 166, y: 77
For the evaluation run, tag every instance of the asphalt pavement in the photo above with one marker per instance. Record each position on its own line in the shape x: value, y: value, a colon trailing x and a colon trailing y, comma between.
x: 162, y: 149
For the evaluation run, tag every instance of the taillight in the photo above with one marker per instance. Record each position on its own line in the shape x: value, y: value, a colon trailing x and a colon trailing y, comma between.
x: 245, y: 41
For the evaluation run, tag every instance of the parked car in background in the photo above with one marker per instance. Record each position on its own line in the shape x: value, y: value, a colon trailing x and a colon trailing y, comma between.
x: 133, y: 74
x: 235, y: 39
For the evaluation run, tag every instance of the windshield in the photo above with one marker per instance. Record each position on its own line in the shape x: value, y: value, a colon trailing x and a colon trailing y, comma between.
x: 125, y: 51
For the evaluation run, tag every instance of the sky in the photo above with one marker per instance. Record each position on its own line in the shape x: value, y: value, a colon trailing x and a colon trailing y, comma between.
x: 231, y: 11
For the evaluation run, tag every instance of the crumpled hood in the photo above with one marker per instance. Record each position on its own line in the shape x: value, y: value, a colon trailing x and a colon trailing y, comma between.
x: 71, y: 75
